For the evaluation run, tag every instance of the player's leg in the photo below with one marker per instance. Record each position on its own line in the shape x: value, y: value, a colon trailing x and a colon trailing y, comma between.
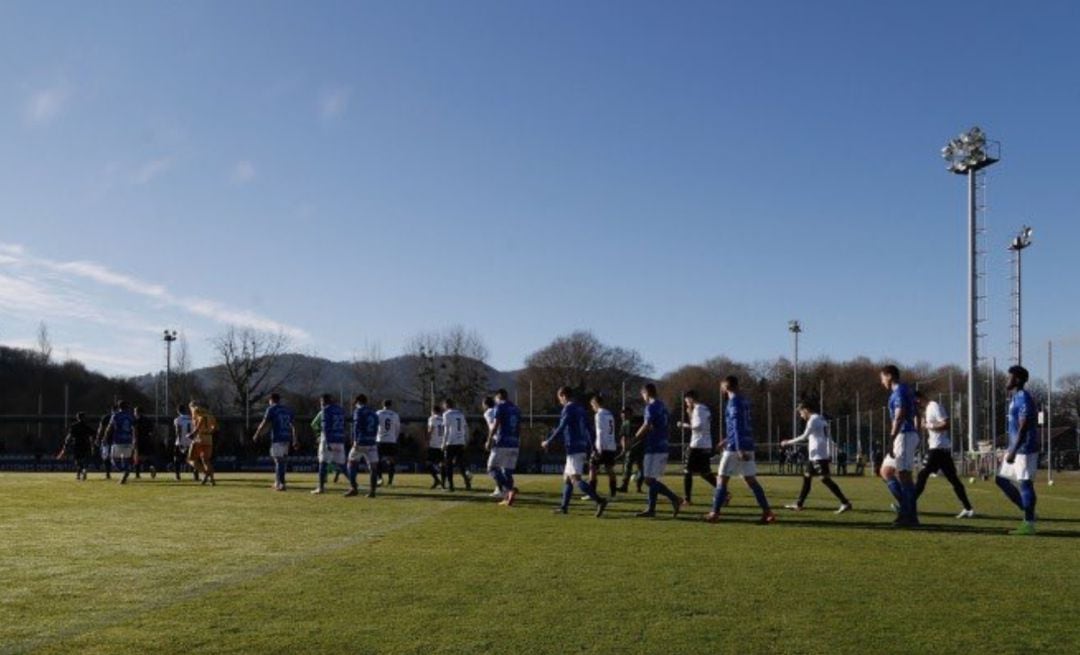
x: 613, y: 480
x: 807, y: 483
x: 948, y: 469
x: 830, y: 484
x: 371, y: 456
x: 655, y: 464
x: 749, y: 473
x: 495, y: 472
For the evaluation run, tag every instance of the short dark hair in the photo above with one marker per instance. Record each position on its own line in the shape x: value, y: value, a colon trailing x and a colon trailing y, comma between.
x: 891, y: 371
x: 138, y: 408
x: 566, y: 392
x: 122, y: 405
x: 488, y: 401
x: 597, y: 397
x: 360, y: 399
x: 182, y: 409
x: 650, y: 389
x: 692, y: 395
x: 502, y: 394
x: 1020, y: 372
x: 808, y: 406
x: 80, y: 416
x: 449, y: 402
x: 732, y: 382
x: 919, y: 394
x: 387, y: 404
x: 327, y: 398
x: 275, y: 397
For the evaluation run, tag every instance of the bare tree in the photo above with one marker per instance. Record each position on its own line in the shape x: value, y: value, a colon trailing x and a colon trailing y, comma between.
x: 450, y: 363
x: 44, y: 344
x: 254, y: 364
x: 372, y: 373
x: 183, y: 384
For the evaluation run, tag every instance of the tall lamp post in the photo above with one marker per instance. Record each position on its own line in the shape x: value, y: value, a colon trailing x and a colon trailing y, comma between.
x: 968, y: 154
x: 796, y: 329
x: 1020, y: 242
x: 169, y: 337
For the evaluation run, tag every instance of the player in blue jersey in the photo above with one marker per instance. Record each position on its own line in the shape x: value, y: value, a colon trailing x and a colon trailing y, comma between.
x: 654, y: 431
x: 899, y: 462
x: 1022, y: 458
x: 577, y: 436
x: 504, y: 439
x: 738, y: 457
x: 120, y: 435
x: 365, y: 446
x: 329, y: 424
x: 278, y: 421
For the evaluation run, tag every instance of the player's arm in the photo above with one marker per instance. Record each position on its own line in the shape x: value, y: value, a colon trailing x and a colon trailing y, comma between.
x: 557, y: 433
x: 316, y: 423
x: 295, y: 441
x: 805, y: 436
x: 264, y: 425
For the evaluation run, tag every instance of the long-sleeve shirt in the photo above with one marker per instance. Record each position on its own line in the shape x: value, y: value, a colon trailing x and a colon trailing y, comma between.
x: 817, y: 434
x: 700, y: 428
x: 740, y: 434
x: 656, y: 415
x: 573, y: 429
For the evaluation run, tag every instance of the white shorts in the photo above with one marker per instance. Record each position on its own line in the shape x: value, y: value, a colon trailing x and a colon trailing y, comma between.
x: 575, y: 464
x: 654, y: 465
x: 1024, y: 468
x: 331, y: 452
x: 904, y: 446
x: 184, y: 445
x: 503, y: 458
x: 121, y: 451
x: 369, y: 454
x: 279, y: 449
x: 732, y: 464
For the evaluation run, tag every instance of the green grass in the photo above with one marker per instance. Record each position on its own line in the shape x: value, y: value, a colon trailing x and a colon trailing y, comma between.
x: 160, y: 567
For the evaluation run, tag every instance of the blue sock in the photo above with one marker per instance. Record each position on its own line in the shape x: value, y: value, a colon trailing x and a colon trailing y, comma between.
x: 351, y: 469
x: 373, y: 478
x: 1027, y: 497
x: 759, y: 494
x: 663, y: 490
x: 323, y: 467
x: 497, y: 476
x: 653, y: 494
x: 718, y: 497
x: 907, y: 489
x: 567, y: 492
x: 1006, y: 485
x: 588, y: 490
x: 279, y: 471
x: 897, y: 491
x: 508, y: 477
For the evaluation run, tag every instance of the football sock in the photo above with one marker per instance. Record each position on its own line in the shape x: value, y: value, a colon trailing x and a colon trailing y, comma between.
x: 508, y: 476
x: 567, y: 492
x: 807, y: 481
x: 896, y: 491
x: 835, y: 488
x: 1027, y: 498
x: 718, y: 497
x: 687, y: 485
x: 759, y: 495
x: 323, y: 469
x: 588, y: 490
x: 1010, y: 490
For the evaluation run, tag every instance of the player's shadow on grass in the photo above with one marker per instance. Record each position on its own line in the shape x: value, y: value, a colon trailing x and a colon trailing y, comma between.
x: 937, y: 528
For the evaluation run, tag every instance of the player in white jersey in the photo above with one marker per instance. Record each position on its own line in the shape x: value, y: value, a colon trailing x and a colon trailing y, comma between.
x: 387, y: 440
x: 605, y: 448
x: 183, y: 427
x: 701, y: 451
x: 939, y: 453
x: 435, y: 454
x: 819, y: 451
x: 489, y: 419
x: 456, y: 434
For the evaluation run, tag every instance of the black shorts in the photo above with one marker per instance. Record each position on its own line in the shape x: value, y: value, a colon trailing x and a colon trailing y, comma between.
x: 818, y: 467
x: 939, y: 460
x: 699, y: 460
x: 604, y: 458
x: 387, y: 450
x: 435, y: 455
x: 636, y: 455
x: 455, y: 452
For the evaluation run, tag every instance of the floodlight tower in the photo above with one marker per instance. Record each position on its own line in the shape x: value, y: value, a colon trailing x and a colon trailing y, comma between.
x: 968, y: 154
x: 796, y: 329
x: 169, y: 337
x: 1021, y: 241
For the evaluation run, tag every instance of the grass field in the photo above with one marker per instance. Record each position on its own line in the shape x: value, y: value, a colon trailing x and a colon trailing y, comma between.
x: 162, y: 567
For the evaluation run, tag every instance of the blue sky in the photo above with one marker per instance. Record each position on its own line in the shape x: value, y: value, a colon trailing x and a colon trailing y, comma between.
x: 680, y: 178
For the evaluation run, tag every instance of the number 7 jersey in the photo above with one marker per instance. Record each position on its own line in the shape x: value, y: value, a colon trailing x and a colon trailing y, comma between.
x: 455, y: 427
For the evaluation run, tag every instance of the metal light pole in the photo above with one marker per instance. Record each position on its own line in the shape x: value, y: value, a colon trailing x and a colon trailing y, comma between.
x: 1020, y: 242
x: 968, y: 154
x: 1049, y: 413
x: 169, y: 337
x: 796, y: 329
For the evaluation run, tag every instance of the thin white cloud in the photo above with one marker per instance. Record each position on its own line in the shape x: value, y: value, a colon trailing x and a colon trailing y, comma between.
x: 151, y: 169
x: 44, y: 105
x: 104, y: 275
x: 242, y: 172
x: 334, y: 102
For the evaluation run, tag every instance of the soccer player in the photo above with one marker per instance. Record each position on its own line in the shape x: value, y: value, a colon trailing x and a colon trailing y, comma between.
x: 897, y: 467
x: 435, y: 457
x: 456, y: 429
x: 278, y: 421
x: 146, y: 453
x: 503, y: 442
x: 120, y: 435
x: 654, y: 431
x: 329, y: 424
x: 819, y: 450
x: 573, y: 429
x: 79, y: 442
x: 738, y: 457
x: 104, y: 449
x: 488, y: 405
x: 701, y: 445
x: 939, y: 455
x: 633, y: 452
x: 1022, y: 457
x: 202, y: 445
x: 389, y: 429
x: 604, y: 449
x: 184, y: 427
x: 364, y: 447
